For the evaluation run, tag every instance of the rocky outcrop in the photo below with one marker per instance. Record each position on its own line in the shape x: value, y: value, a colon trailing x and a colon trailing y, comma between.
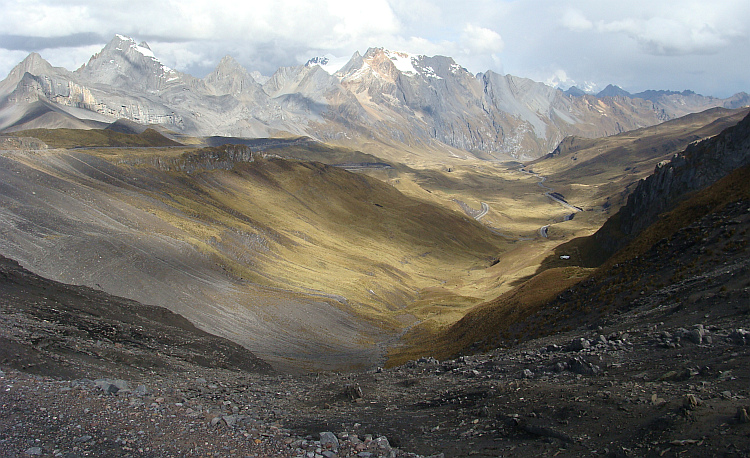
x: 701, y: 165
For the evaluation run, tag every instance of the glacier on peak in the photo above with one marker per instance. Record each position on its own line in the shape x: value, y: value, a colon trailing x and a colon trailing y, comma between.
x: 404, y: 62
x: 143, y: 49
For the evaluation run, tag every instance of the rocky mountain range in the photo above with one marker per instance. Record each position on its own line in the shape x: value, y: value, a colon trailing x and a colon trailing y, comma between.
x: 430, y: 107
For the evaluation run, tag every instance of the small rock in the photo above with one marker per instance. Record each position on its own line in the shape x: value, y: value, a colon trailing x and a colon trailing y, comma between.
x: 695, y: 336
x: 656, y: 400
x: 230, y: 420
x: 578, y: 365
x: 141, y: 390
x: 353, y: 392
x: 329, y: 440
x: 84, y: 438
x: 34, y: 451
x: 740, y: 337
x: 527, y: 374
x: 742, y: 416
x: 691, y: 402
x: 579, y: 344
x: 382, y: 443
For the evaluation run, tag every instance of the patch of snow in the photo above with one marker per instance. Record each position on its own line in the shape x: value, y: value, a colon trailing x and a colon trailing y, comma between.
x: 258, y: 77
x: 403, y: 61
x: 589, y: 87
x: 361, y: 72
x: 429, y: 72
x: 144, y: 50
x: 329, y: 63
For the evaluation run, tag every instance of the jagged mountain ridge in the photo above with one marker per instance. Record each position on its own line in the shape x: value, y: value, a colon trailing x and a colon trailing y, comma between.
x: 408, y: 102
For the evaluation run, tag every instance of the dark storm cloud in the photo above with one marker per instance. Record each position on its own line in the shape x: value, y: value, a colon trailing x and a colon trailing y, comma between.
x: 31, y: 43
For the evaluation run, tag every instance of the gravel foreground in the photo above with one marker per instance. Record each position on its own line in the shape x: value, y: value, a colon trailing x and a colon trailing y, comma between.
x: 652, y: 391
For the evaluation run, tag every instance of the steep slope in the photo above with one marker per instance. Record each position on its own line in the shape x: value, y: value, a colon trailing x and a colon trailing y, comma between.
x: 307, y: 265
x: 699, y: 166
x: 695, y: 248
x: 416, y: 108
x: 75, y: 331
x: 601, y: 172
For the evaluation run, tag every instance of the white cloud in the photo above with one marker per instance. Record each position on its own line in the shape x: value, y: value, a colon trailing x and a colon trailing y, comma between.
x: 590, y: 40
x: 668, y: 36
x: 479, y: 40
x: 576, y: 21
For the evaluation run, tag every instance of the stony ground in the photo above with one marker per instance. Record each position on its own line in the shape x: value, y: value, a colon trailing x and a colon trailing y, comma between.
x: 645, y: 390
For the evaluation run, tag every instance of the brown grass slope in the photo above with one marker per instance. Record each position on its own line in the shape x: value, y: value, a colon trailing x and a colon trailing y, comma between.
x: 563, y: 298
x: 327, y: 229
x: 293, y: 225
x: 601, y: 172
x: 537, y: 308
x: 89, y: 138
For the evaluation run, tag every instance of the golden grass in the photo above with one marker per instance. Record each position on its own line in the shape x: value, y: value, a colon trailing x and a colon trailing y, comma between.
x: 596, y: 172
x: 489, y: 324
x: 325, y: 229
x: 76, y: 138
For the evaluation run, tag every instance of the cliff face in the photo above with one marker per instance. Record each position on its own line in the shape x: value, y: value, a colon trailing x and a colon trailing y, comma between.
x: 699, y: 166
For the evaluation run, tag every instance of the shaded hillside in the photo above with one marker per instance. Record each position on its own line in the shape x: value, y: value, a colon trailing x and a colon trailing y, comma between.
x: 306, y: 264
x: 659, y: 251
x: 87, y: 138
x: 684, y: 256
x: 602, y: 172
x: 72, y: 331
x: 700, y: 165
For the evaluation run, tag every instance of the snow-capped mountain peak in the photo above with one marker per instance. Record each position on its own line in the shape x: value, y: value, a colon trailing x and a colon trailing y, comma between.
x: 129, y: 44
x: 328, y: 63
x: 125, y: 62
x: 404, y: 62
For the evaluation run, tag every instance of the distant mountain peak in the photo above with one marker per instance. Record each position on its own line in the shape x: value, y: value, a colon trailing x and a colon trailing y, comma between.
x: 125, y: 62
x: 34, y: 63
x: 385, y: 63
x: 317, y: 61
x: 613, y: 91
x: 328, y: 63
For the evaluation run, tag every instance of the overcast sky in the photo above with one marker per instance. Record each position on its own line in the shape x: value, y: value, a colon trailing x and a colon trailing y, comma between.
x: 637, y: 44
